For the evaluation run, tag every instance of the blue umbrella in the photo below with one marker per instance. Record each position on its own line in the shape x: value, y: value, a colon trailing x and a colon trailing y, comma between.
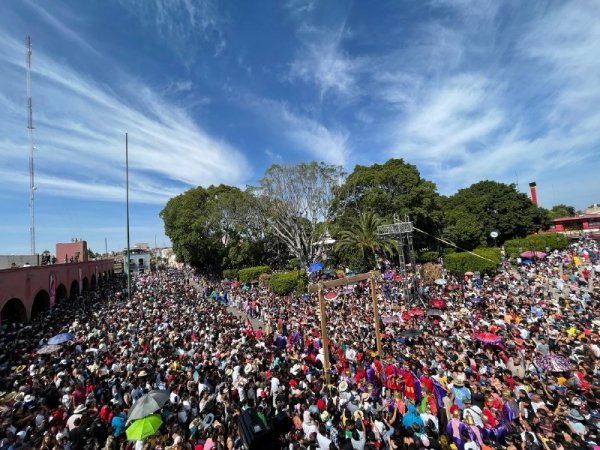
x: 61, y: 338
x: 315, y: 267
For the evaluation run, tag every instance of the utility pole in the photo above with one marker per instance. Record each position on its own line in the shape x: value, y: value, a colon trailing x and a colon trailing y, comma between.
x: 106, y: 246
x: 127, y: 260
x: 31, y: 148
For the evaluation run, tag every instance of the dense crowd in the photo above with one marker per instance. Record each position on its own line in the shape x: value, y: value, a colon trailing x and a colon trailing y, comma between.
x: 507, y: 361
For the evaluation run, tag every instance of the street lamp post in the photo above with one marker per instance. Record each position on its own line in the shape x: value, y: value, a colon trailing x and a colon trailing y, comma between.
x: 128, y: 260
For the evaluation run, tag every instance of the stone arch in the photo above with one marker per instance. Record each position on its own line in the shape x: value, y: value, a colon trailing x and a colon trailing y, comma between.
x: 41, y: 303
x: 61, y: 293
x: 13, y: 311
x: 85, y: 286
x: 74, y: 291
x: 93, y: 284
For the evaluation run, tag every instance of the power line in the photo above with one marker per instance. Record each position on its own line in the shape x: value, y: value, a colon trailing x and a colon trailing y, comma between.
x: 452, y: 244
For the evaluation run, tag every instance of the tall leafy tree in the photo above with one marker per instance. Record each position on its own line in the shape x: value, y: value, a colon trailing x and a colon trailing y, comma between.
x: 292, y: 200
x: 203, y: 222
x: 474, y: 212
x: 562, y: 210
x: 394, y: 187
x: 360, y: 240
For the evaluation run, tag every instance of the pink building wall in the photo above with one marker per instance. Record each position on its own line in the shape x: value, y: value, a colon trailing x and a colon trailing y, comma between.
x: 66, y: 251
x: 40, y: 287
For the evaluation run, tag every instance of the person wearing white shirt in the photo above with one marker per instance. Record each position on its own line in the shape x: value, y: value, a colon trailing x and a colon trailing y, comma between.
x: 475, y: 412
x: 323, y: 441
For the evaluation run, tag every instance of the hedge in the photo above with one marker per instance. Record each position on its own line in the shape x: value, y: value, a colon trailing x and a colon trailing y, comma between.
x: 286, y: 282
x: 251, y: 274
x: 466, y: 262
x: 429, y: 256
x: 537, y: 242
x: 230, y: 274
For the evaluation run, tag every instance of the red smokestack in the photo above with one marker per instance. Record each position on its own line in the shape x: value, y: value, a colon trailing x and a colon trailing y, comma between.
x: 532, y: 186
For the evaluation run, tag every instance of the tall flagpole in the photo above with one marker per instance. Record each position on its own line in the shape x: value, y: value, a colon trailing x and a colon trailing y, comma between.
x: 127, y: 261
x: 31, y: 148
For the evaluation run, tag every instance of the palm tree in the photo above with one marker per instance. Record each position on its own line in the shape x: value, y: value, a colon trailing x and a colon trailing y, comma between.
x: 361, y: 237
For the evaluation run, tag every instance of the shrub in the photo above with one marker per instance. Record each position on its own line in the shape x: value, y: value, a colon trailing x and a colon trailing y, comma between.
x: 230, y: 274
x: 466, y: 262
x: 293, y: 264
x: 429, y: 256
x: 537, y: 242
x: 286, y: 282
x: 251, y: 274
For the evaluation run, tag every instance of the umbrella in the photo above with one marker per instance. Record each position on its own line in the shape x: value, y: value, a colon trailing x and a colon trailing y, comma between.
x: 61, y: 338
x: 411, y: 332
x: 143, y: 428
x: 440, y: 281
x: 47, y: 349
x: 529, y: 254
x: 435, y: 312
x: 438, y: 303
x: 148, y: 403
x: 416, y: 311
x: 488, y: 338
x: 553, y: 363
x: 389, y: 319
x: 315, y: 267
x: 331, y: 295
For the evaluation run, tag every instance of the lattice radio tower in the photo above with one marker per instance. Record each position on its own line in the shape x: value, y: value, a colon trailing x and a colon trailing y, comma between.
x: 31, y: 148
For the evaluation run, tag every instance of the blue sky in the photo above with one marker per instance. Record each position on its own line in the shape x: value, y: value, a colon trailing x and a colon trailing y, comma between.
x: 216, y: 91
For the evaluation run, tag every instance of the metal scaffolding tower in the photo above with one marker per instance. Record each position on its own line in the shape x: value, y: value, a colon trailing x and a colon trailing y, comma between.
x: 403, y: 231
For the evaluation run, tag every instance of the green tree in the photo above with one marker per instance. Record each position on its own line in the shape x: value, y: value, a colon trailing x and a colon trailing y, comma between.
x: 394, y: 187
x: 472, y: 213
x: 292, y: 200
x: 361, y: 239
x: 189, y: 225
x: 562, y: 210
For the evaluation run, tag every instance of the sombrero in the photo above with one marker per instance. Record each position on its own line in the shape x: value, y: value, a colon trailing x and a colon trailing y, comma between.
x: 20, y: 368
x: 208, y: 420
x: 228, y: 371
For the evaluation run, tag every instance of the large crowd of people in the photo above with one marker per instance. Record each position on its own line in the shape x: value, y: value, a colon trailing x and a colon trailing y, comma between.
x: 505, y: 361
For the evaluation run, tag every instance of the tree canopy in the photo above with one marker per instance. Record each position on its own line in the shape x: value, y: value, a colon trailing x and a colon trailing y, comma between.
x: 292, y: 200
x: 562, y: 210
x: 474, y: 212
x: 394, y: 187
x: 281, y: 222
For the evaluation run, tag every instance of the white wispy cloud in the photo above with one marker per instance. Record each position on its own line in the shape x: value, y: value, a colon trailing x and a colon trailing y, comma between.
x: 182, y: 24
x: 304, y: 134
x: 534, y: 115
x: 80, y: 128
x: 322, y: 61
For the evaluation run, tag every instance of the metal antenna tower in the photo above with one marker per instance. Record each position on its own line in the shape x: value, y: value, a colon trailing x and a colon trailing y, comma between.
x: 31, y: 148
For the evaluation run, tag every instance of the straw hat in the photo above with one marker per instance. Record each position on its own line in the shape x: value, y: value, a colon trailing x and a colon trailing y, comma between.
x: 358, y: 414
x: 343, y: 386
